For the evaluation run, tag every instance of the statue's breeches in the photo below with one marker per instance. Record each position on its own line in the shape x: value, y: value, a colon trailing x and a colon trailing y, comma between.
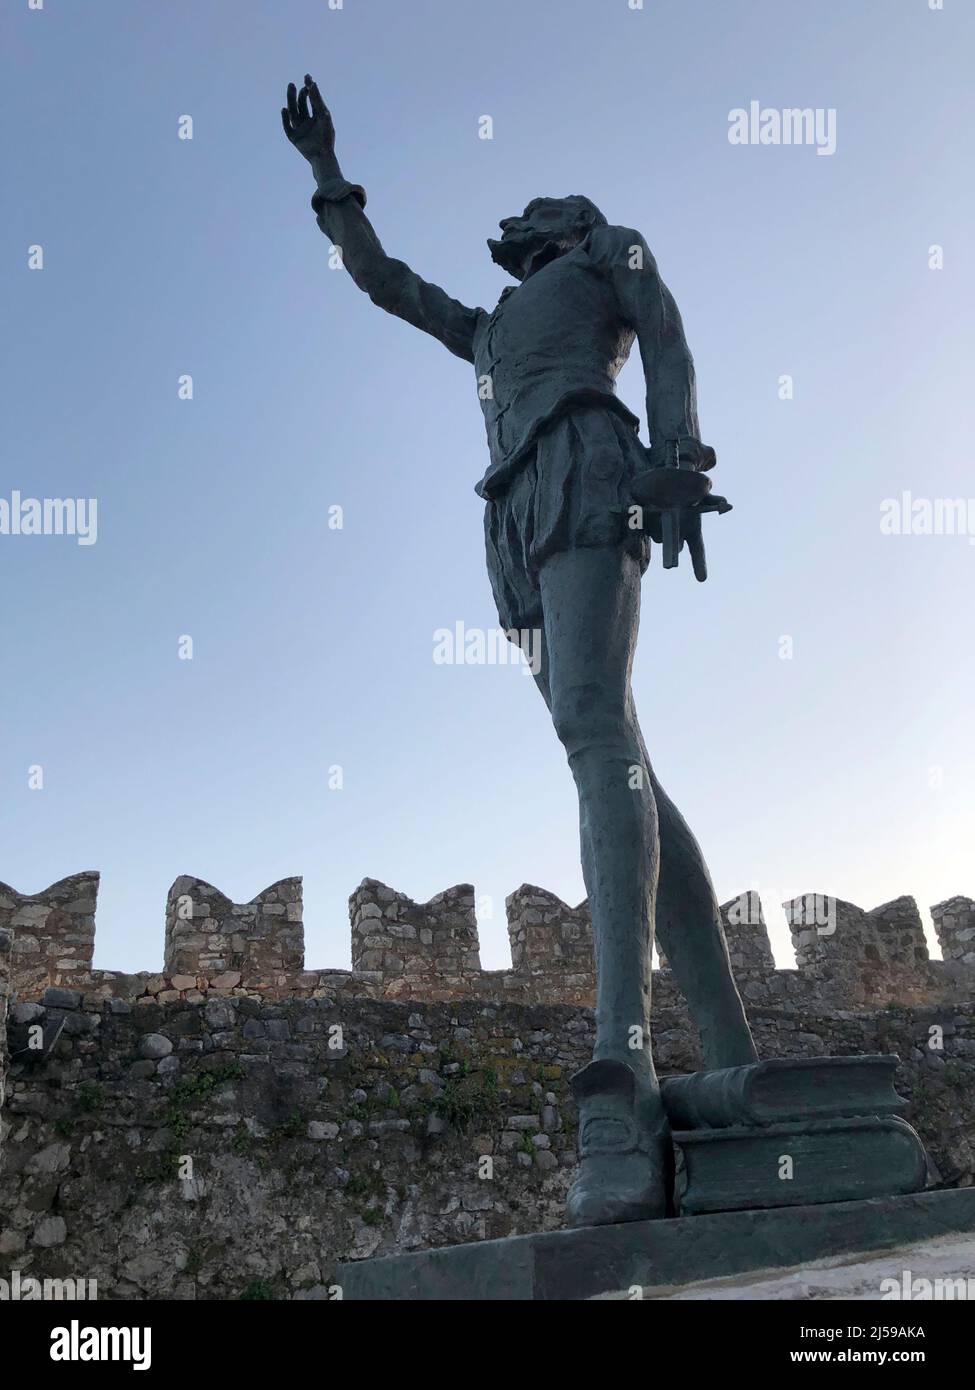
x: 573, y: 491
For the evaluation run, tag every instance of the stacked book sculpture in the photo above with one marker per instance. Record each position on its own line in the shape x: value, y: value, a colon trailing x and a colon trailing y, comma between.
x: 790, y: 1133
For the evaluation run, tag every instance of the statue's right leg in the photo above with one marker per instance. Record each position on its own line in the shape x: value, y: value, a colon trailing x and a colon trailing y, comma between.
x: 688, y: 926
x: 590, y: 610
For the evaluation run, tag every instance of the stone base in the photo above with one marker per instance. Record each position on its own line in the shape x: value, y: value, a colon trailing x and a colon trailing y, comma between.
x: 579, y: 1264
x: 927, y: 1271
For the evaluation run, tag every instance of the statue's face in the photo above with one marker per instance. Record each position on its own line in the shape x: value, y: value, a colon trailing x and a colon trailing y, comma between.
x: 547, y: 228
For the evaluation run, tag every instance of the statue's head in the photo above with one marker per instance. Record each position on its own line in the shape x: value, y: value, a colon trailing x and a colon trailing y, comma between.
x: 547, y: 228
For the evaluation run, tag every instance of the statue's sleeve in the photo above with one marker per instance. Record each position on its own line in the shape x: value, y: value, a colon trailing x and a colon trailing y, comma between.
x: 648, y: 307
x: 391, y: 284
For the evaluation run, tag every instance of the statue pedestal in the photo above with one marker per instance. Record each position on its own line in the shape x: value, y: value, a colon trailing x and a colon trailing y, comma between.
x: 581, y: 1263
x: 791, y: 1132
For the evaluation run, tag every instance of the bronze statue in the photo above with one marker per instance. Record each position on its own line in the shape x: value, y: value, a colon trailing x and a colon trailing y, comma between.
x: 573, y: 502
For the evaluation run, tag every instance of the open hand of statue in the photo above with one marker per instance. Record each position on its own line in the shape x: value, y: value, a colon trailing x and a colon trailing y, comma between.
x: 676, y: 497
x: 308, y: 123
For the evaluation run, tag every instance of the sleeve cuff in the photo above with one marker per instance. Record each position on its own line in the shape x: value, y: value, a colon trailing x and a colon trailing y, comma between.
x: 334, y: 191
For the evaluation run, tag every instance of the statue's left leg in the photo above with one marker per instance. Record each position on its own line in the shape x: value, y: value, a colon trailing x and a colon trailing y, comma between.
x: 590, y: 608
x: 689, y: 930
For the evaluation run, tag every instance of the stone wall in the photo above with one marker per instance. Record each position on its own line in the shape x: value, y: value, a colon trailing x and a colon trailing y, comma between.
x: 54, y: 931
x: 954, y: 922
x: 403, y: 948
x: 745, y: 931
x: 864, y: 955
x: 551, y: 945
x: 6, y: 944
x: 235, y: 1125
x: 262, y: 941
x: 407, y: 950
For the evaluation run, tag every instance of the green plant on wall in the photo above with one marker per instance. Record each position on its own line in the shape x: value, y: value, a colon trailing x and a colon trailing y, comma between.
x: 469, y: 1099
x: 259, y: 1289
x: 189, y: 1092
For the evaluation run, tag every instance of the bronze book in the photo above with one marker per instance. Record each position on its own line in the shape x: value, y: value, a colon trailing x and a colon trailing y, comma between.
x: 797, y: 1164
x: 783, y: 1089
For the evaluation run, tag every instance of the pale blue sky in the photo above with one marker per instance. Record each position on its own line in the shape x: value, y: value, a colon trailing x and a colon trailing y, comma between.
x: 313, y: 647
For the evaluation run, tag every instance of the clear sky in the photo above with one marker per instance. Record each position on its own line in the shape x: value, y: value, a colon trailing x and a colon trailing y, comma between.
x: 846, y: 769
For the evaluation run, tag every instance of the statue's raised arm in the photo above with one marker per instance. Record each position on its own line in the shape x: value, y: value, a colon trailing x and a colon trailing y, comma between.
x: 339, y: 207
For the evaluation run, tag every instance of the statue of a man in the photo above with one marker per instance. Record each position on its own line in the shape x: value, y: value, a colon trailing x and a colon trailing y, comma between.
x: 563, y: 559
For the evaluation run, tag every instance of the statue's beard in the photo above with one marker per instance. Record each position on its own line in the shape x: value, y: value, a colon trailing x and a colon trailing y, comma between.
x: 518, y: 254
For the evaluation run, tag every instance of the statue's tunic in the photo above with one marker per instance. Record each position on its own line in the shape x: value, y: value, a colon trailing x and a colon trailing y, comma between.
x: 562, y: 445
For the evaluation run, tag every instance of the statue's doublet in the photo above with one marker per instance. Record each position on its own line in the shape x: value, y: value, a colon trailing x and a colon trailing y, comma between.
x: 553, y: 342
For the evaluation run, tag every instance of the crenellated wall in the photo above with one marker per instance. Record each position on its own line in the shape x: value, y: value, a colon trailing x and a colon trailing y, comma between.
x: 54, y: 930
x: 954, y: 921
x: 747, y: 936
x: 399, y: 946
x: 402, y: 949
x: 261, y: 942
x: 551, y: 945
x: 235, y: 1125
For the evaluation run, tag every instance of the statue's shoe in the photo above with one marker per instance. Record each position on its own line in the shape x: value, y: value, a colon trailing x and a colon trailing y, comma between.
x: 625, y: 1151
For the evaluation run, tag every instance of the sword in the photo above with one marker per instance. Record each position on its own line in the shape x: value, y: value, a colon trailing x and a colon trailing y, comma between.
x: 670, y: 522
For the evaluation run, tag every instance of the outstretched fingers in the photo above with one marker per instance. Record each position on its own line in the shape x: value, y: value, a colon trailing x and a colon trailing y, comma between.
x: 317, y: 104
x: 691, y: 533
x: 293, y: 111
